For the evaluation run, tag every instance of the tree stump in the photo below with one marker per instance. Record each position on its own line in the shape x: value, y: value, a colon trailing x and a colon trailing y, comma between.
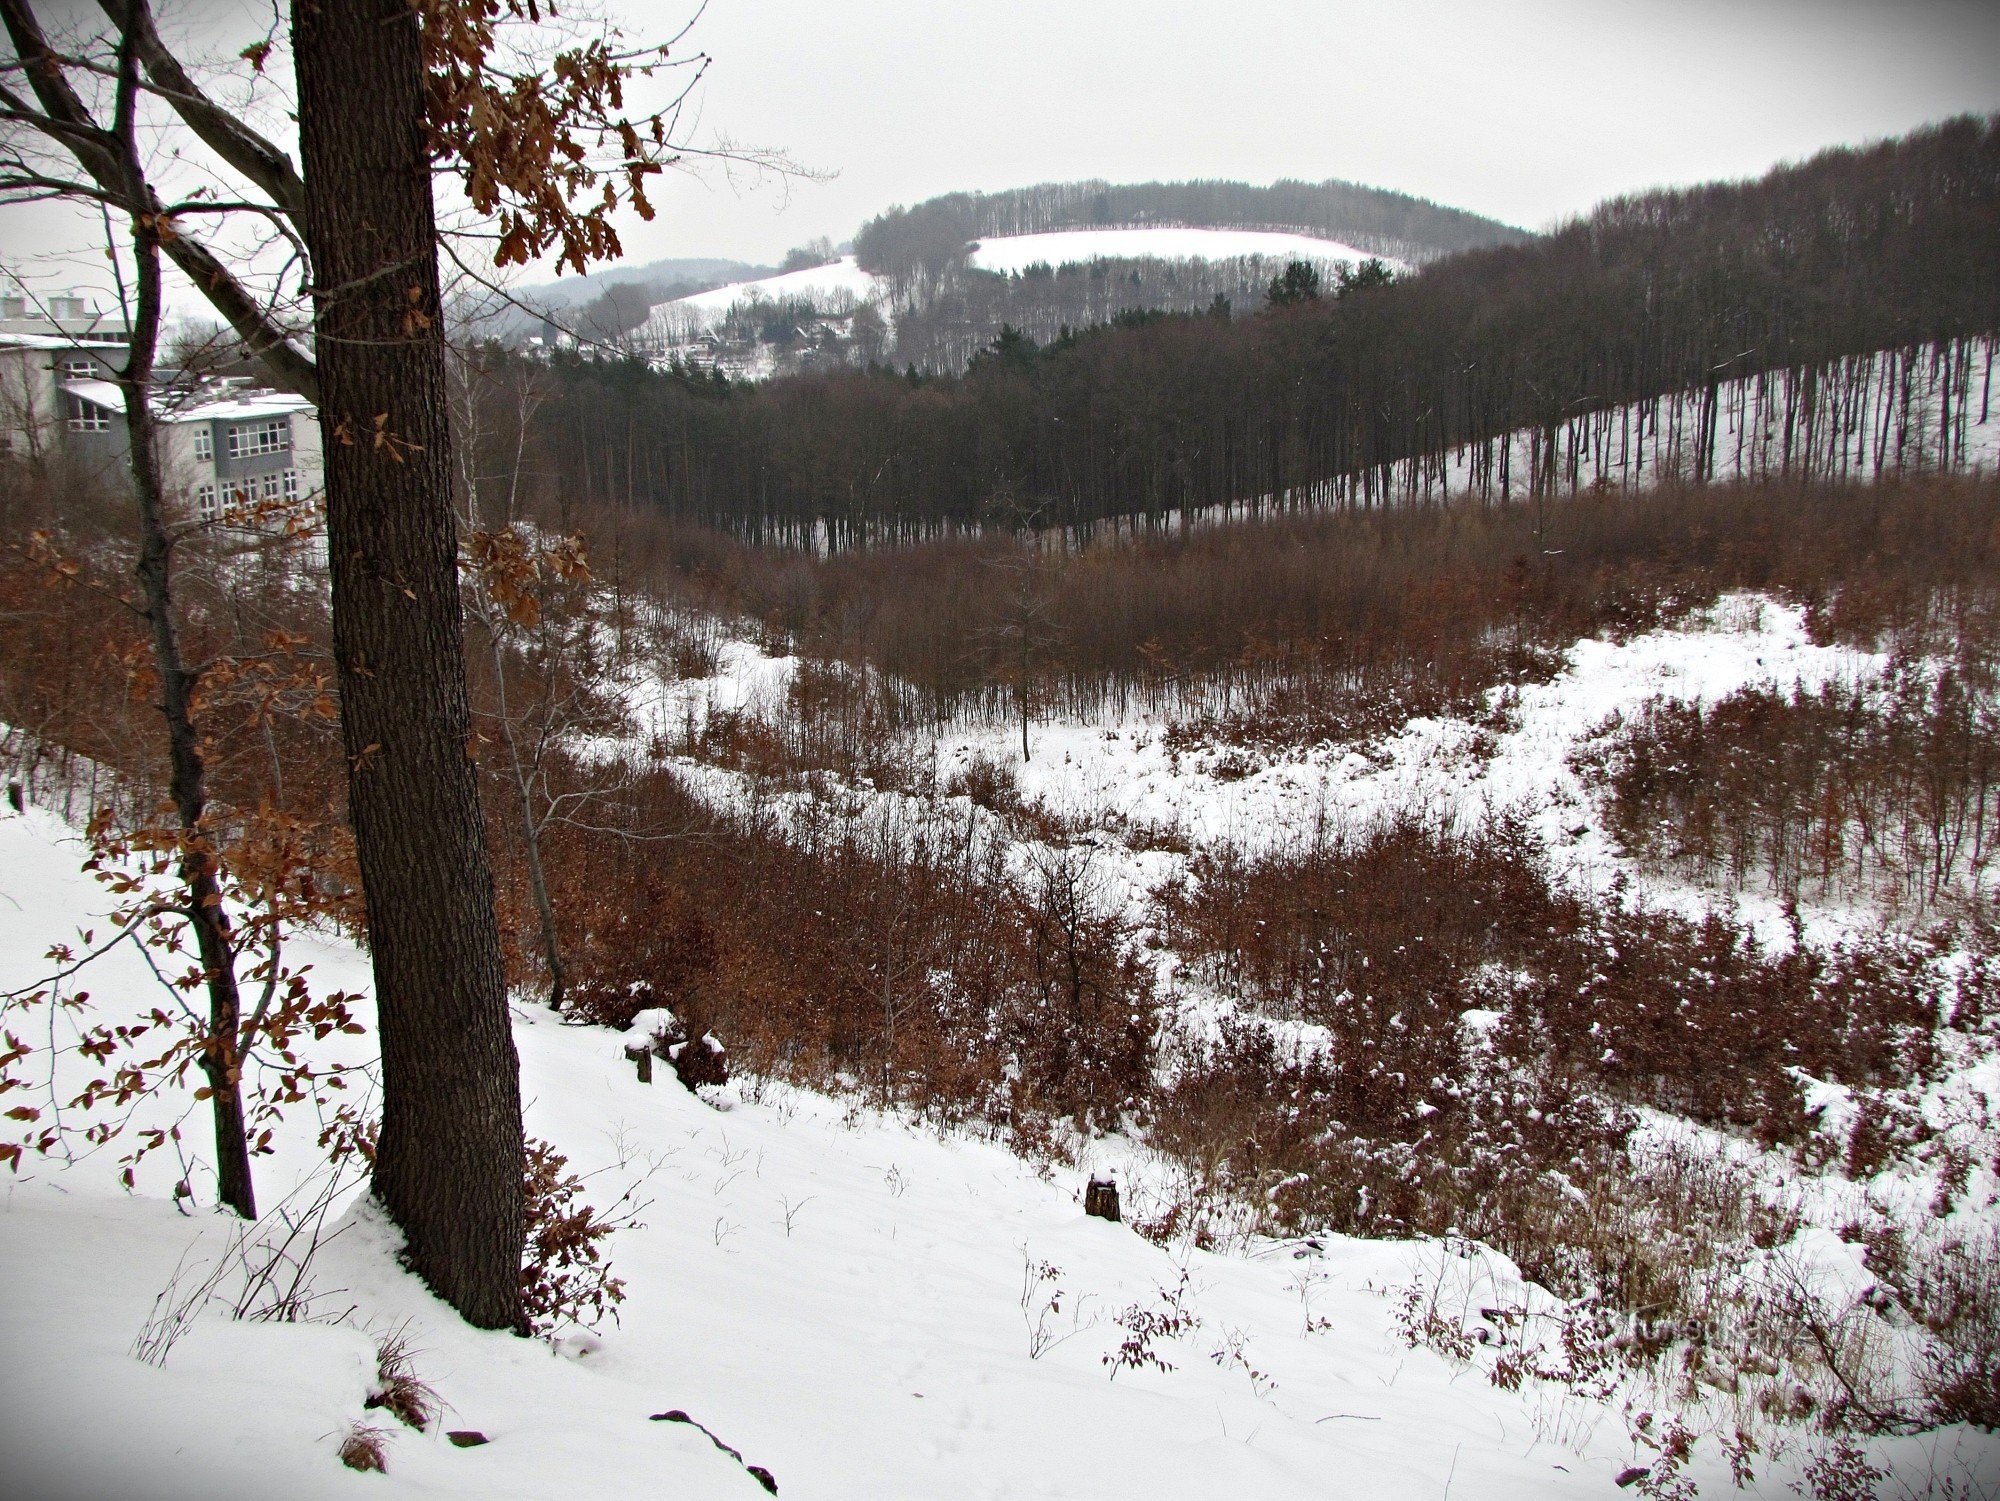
x: 642, y: 1058
x: 1101, y: 1199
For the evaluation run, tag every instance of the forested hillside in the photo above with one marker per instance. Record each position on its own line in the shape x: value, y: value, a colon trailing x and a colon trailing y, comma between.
x: 1661, y: 296
x: 908, y: 241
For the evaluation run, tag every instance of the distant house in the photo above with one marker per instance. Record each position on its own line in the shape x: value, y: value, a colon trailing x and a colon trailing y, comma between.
x: 226, y: 448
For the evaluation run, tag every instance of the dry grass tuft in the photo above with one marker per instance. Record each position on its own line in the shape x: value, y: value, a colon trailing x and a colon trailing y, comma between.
x: 398, y: 1389
x: 365, y: 1448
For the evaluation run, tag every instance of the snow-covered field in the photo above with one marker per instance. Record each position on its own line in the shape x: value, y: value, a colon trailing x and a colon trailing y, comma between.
x: 1012, y: 253
x: 841, y: 276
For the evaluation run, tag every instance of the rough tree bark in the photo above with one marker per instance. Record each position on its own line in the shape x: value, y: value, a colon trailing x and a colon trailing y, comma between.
x: 449, y: 1163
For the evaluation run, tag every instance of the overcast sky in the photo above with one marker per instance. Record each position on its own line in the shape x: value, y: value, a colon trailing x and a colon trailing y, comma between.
x: 1527, y: 110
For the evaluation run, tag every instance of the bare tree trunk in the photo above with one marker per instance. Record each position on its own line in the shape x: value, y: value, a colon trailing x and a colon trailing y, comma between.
x: 449, y: 1164
x: 221, y: 1060
x: 525, y: 773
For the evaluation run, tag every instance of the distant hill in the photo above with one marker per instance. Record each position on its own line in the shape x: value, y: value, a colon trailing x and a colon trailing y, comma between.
x: 1374, y: 220
x: 608, y: 304
x: 1037, y: 284
x: 706, y: 271
x: 1818, y: 287
x: 932, y: 285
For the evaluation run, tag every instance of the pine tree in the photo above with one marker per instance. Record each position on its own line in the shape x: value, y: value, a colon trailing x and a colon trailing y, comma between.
x: 1298, y: 282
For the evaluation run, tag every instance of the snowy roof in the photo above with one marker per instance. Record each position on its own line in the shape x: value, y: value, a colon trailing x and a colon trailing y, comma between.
x: 245, y: 406
x: 203, y: 406
x: 99, y: 393
x: 39, y: 341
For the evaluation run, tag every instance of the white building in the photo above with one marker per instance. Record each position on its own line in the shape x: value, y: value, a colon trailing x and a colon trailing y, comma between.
x: 226, y: 447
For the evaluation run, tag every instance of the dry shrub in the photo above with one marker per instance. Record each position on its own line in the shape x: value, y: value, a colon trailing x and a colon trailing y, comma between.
x: 987, y: 783
x: 1314, y: 1136
x: 1387, y: 937
x: 1727, y: 1329
x: 655, y: 947
x: 1340, y: 625
x: 835, y: 719
x: 1887, y: 789
x: 1952, y: 1288
x: 1081, y: 1027
x: 1670, y: 1267
x: 565, y: 1275
x: 890, y: 949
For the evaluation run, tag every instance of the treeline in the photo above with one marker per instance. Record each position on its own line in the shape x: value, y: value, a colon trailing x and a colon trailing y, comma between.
x: 949, y: 329
x: 905, y: 242
x: 1666, y: 294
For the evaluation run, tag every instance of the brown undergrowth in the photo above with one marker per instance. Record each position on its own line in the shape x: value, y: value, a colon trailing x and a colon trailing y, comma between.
x: 1885, y: 789
x: 1335, y: 625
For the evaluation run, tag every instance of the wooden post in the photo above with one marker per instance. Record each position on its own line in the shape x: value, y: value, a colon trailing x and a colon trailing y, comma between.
x: 643, y: 1058
x: 1101, y: 1199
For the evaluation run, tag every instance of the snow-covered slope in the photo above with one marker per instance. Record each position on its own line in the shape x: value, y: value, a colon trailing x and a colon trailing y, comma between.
x: 686, y: 316
x: 850, y: 1302
x: 1010, y: 253
x: 841, y: 276
x: 1129, y: 775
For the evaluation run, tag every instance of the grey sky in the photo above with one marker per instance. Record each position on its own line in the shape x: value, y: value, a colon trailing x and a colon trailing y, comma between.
x: 1528, y: 110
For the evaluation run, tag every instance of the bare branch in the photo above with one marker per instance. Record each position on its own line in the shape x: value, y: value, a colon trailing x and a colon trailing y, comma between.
x: 227, y: 136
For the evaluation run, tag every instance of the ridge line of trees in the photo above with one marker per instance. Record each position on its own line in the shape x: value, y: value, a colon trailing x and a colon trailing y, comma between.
x: 1376, y: 220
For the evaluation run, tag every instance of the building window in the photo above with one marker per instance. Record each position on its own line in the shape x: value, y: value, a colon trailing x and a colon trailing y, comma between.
x: 252, y: 438
x: 204, y: 445
x: 86, y: 418
x: 291, y: 484
x: 79, y: 367
x: 270, y: 487
x: 204, y: 503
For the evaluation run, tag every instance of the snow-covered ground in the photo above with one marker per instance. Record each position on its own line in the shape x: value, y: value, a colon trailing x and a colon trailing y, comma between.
x: 834, y: 279
x: 850, y: 1302
x: 1863, y: 430
x: 1128, y: 776
x: 854, y: 1303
